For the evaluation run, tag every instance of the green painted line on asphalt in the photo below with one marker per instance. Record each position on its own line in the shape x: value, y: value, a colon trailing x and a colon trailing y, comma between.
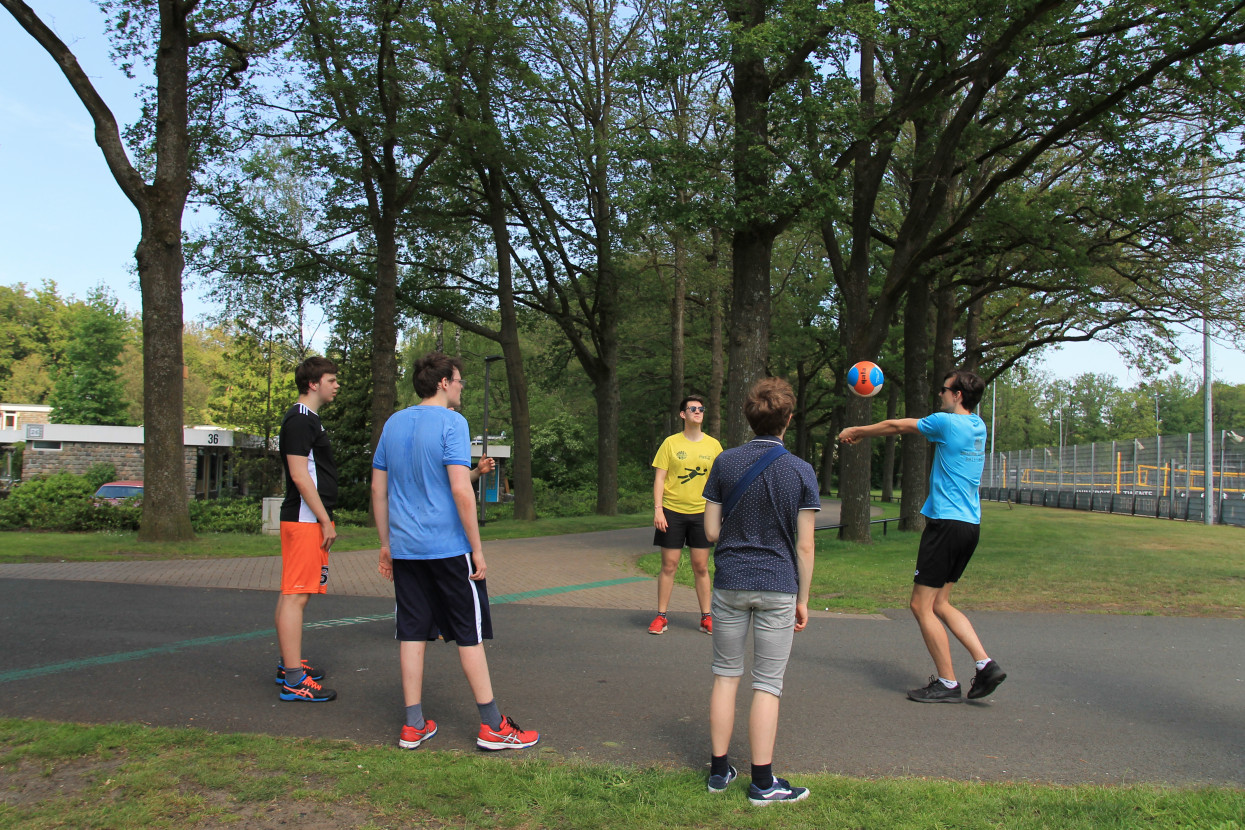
x: 565, y: 589
x: 121, y: 657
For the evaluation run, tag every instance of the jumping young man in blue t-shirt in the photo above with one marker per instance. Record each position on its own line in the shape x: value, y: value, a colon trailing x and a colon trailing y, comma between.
x: 953, y: 511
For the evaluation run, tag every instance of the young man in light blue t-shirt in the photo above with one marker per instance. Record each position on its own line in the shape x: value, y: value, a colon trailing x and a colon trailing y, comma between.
x: 953, y: 513
x: 430, y: 547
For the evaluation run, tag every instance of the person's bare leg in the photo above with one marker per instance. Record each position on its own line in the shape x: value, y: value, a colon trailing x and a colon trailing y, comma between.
x: 700, y: 572
x: 958, y: 623
x: 722, y: 713
x: 763, y: 726
x: 475, y: 666
x: 411, y: 657
x: 935, y: 635
x: 289, y: 620
x: 665, y: 579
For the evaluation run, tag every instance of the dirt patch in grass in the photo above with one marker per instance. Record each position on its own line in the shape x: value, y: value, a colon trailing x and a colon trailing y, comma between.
x: 30, y: 784
x: 282, y: 815
x: 25, y: 783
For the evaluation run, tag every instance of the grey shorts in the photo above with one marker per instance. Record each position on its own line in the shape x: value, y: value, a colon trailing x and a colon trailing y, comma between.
x: 771, y: 617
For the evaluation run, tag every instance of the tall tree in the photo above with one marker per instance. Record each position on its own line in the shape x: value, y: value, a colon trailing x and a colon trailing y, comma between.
x: 985, y: 93
x: 87, y: 389
x: 197, y: 52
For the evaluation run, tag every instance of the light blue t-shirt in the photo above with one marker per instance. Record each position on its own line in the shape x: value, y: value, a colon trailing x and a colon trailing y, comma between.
x: 959, y: 454
x: 415, y: 447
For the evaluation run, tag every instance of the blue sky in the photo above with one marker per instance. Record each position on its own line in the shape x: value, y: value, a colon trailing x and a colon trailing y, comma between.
x: 63, y: 218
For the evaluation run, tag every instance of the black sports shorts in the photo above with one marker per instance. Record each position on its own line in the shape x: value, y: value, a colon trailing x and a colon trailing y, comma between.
x: 682, y: 529
x: 435, y: 596
x: 946, y: 547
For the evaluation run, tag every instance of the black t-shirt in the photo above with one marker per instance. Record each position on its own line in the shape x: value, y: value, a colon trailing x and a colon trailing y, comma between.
x: 302, y: 434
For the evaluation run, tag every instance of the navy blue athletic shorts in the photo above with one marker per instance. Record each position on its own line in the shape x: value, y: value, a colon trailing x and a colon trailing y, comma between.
x: 435, y: 596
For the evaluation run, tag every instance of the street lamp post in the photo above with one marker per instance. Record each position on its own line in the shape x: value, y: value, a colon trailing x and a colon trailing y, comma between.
x: 484, y: 439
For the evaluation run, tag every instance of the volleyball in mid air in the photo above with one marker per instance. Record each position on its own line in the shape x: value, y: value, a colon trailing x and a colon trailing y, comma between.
x: 865, y: 379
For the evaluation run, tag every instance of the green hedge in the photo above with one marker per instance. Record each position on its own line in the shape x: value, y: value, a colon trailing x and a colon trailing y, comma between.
x: 65, y: 502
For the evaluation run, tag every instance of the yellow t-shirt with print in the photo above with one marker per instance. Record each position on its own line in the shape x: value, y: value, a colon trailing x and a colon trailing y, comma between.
x: 687, y: 466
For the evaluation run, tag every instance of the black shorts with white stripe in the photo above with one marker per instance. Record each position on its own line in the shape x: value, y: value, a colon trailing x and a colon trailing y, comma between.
x: 437, y: 597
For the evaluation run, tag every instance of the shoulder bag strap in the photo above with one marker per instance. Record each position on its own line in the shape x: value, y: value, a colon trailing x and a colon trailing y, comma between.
x: 749, y: 476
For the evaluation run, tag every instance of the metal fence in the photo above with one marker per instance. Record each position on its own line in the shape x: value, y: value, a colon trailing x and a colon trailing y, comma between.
x: 1163, y: 477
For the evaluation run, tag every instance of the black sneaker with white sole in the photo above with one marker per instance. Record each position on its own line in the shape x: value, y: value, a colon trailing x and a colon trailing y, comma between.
x: 986, y: 681
x: 719, y: 783
x: 936, y: 692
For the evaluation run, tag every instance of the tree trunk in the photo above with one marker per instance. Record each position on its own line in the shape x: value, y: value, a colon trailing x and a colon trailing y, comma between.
x: 753, y: 242
x: 944, y: 334
x: 385, y: 328
x: 166, y: 515
x: 914, y: 449
x: 827, y: 457
x: 678, y: 305
x: 717, y: 367
x: 516, y: 378
x: 888, y: 454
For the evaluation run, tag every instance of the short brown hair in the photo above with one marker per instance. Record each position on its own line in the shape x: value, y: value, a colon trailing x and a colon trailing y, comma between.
x: 428, y: 372
x: 968, y: 384
x: 769, y: 406
x: 311, y: 370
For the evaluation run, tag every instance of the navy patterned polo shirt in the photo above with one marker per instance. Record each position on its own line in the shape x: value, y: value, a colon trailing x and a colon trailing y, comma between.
x: 756, y: 549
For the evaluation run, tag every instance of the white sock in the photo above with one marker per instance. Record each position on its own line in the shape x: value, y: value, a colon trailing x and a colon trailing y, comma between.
x: 981, y: 664
x: 950, y: 684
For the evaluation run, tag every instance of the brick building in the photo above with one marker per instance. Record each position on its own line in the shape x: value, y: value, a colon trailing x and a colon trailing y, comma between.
x: 211, y: 454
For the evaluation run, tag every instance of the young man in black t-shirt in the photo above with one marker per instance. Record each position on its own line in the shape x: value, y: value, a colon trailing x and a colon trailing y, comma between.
x: 307, y: 530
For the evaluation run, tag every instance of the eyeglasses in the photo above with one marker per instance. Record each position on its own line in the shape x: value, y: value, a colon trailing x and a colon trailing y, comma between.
x: 695, y: 409
x: 459, y: 381
x: 946, y: 389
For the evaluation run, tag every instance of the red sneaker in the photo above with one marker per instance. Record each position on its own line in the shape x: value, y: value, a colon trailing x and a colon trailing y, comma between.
x: 658, y: 625
x: 412, y: 737
x: 508, y: 736
x: 706, y: 623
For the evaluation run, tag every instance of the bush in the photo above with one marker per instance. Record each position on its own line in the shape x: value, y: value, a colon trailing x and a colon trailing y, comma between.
x: 226, y: 516
x: 352, y: 518
x: 100, y: 474
x: 63, y: 502
x: 582, y: 501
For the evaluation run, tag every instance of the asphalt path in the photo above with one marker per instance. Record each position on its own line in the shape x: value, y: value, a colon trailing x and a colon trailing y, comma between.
x: 1089, y: 698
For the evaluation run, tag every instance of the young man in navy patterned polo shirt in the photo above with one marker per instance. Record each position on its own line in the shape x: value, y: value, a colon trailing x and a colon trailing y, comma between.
x: 764, y: 564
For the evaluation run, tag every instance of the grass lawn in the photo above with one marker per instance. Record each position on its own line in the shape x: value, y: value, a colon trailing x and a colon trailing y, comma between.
x: 1045, y: 559
x: 21, y: 546
x: 112, y: 776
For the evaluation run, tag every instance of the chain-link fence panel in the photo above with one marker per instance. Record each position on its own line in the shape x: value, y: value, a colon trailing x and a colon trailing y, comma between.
x: 1165, y: 476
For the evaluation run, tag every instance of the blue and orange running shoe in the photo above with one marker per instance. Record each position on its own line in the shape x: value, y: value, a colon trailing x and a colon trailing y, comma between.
x: 308, y: 690
x: 313, y: 673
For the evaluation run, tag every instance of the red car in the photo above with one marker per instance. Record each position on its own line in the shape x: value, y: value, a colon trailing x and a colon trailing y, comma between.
x: 116, y: 492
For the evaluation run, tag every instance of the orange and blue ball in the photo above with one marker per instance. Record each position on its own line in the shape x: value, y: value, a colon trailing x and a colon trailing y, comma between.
x: 865, y: 379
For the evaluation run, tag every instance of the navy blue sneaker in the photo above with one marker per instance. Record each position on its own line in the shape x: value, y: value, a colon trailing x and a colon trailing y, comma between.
x: 780, y: 790
x: 314, y: 674
x: 719, y: 783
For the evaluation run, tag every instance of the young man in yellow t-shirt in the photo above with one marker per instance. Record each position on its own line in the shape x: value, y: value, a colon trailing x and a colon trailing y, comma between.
x: 682, y: 464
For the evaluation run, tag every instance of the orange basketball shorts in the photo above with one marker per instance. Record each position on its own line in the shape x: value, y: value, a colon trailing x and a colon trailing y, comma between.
x: 304, y: 561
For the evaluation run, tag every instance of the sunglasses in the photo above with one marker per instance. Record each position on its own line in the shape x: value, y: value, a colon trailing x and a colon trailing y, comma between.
x: 695, y: 409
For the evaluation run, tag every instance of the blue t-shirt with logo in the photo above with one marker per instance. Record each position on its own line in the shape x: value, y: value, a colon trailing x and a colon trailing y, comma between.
x: 415, y: 447
x: 959, y: 455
